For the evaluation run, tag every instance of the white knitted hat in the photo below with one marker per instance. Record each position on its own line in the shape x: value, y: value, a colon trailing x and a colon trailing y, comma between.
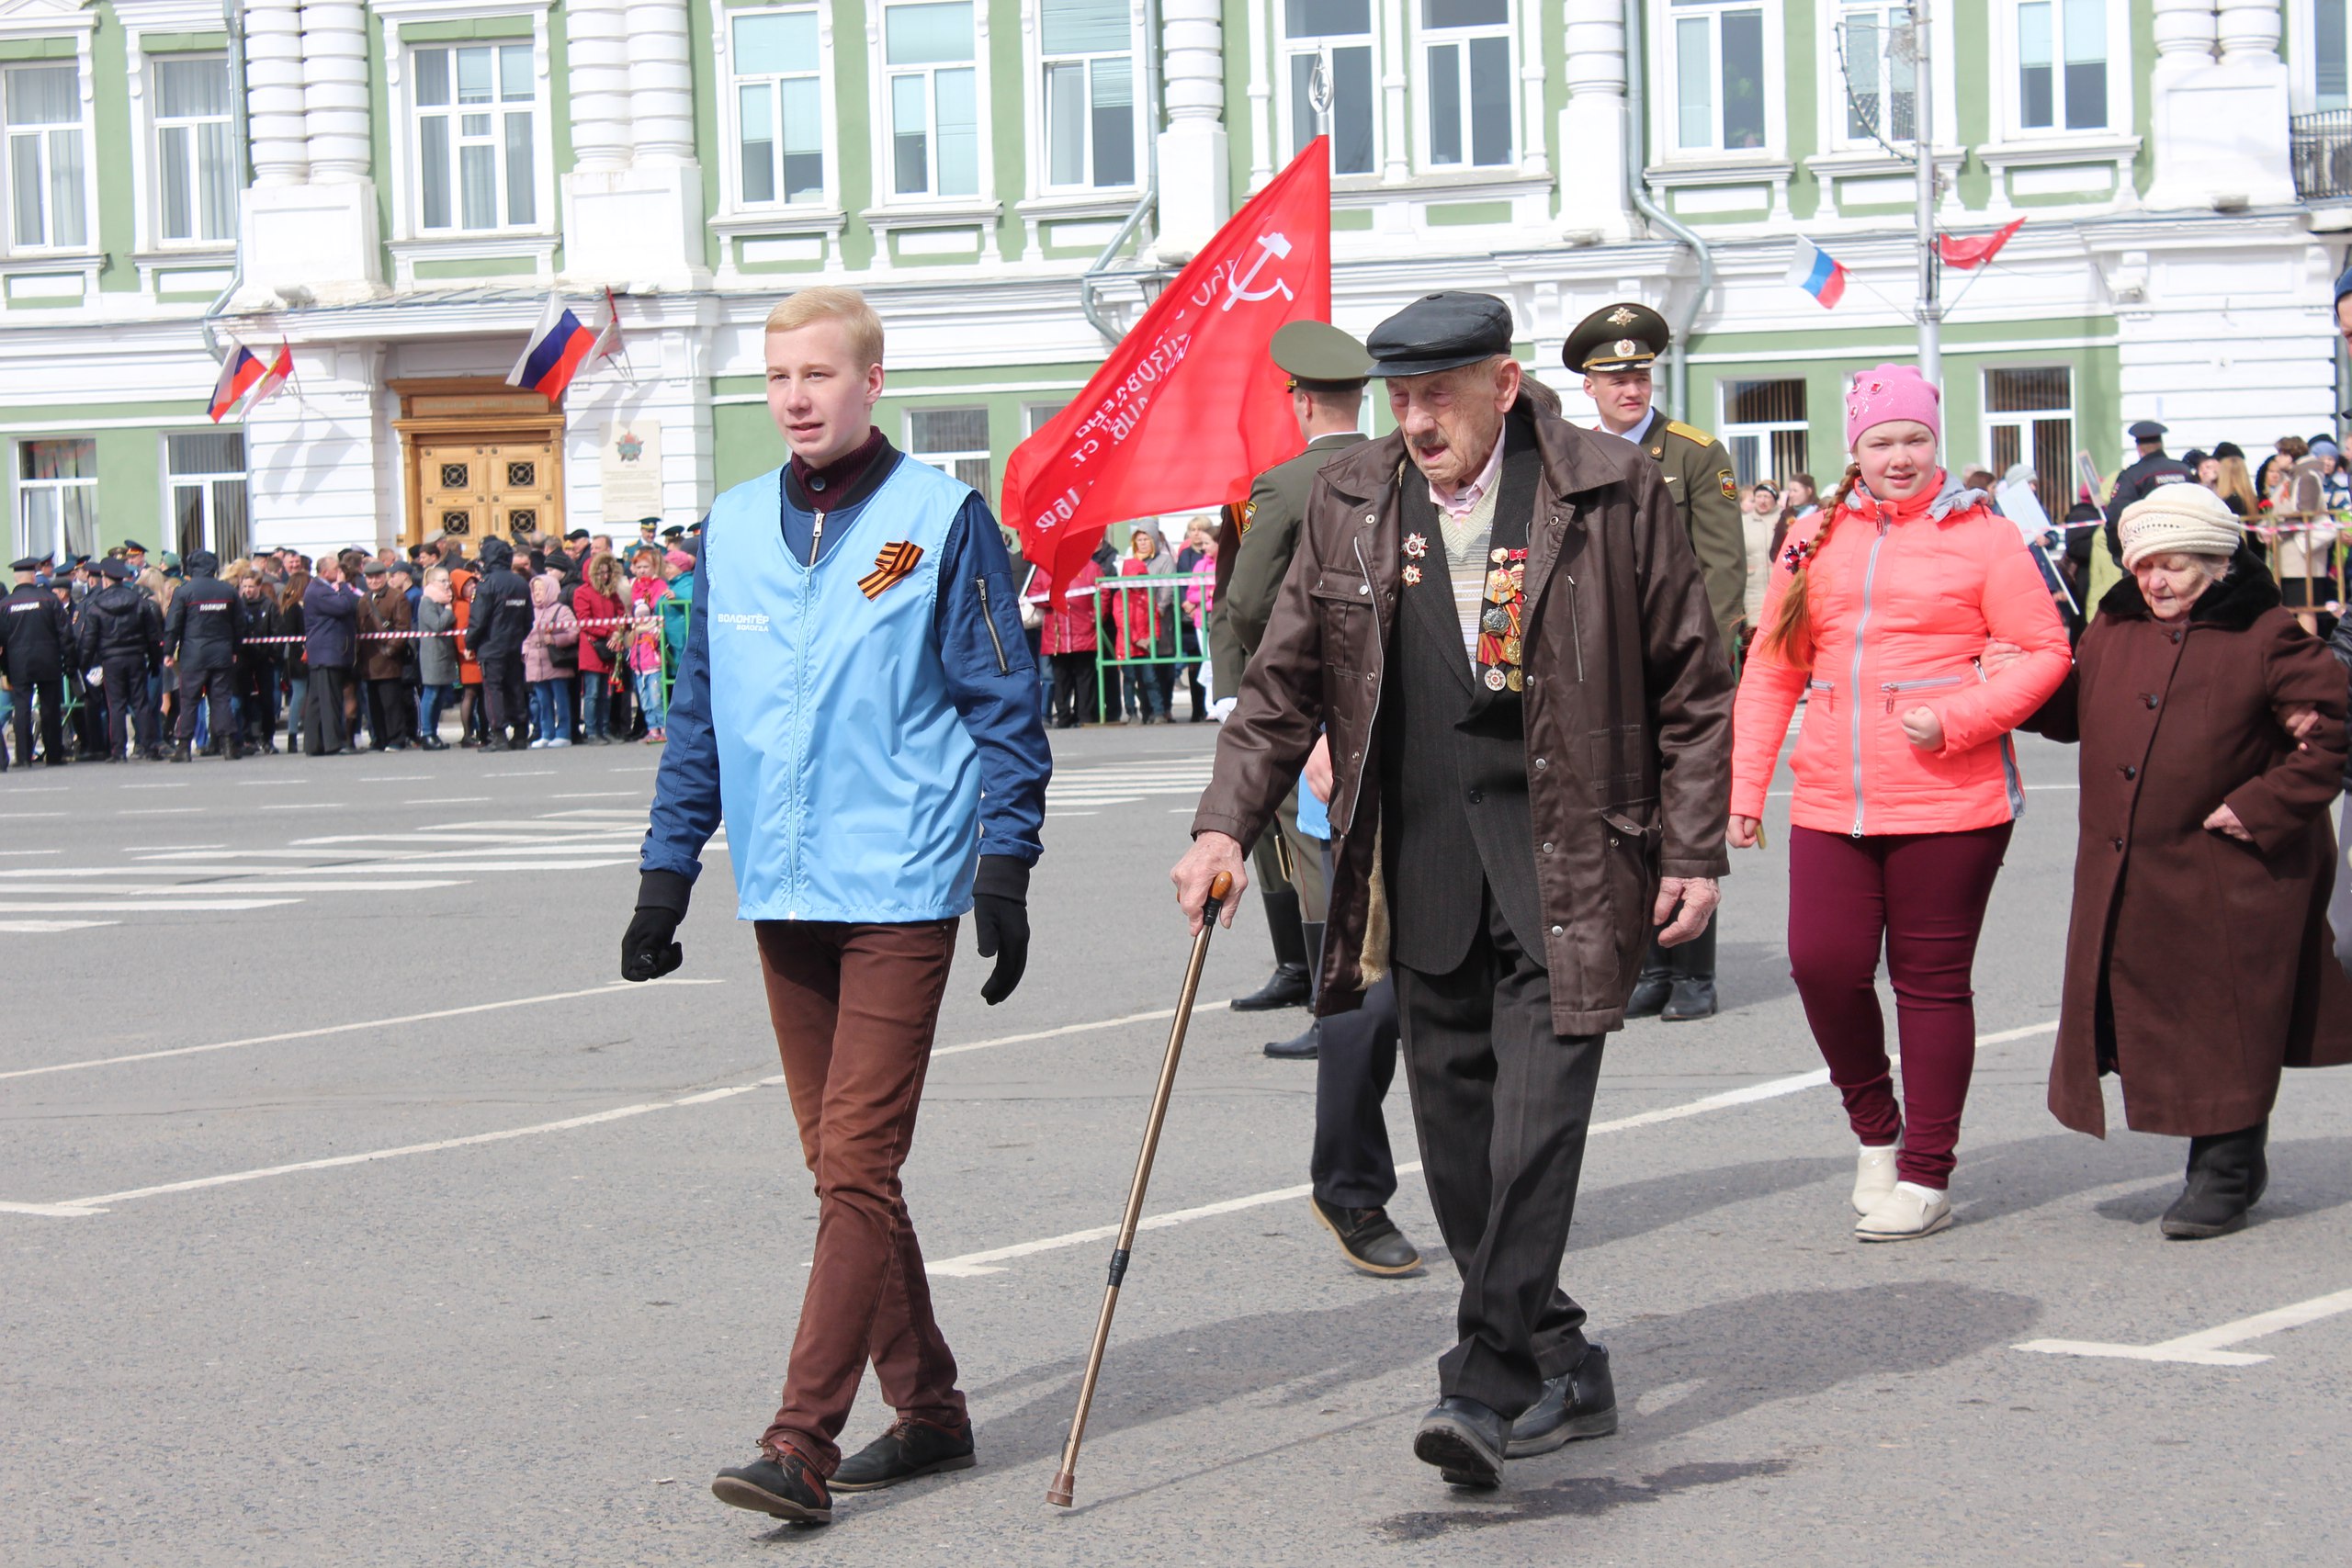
x: 2182, y: 518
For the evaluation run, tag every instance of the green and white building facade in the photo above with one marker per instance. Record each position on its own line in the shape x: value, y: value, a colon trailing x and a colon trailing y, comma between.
x: 405, y: 181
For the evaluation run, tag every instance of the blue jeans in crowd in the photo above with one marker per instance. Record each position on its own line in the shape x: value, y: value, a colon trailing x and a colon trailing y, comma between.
x: 302, y: 684
x: 595, y: 705
x: 551, y: 710
x: 430, y: 701
x: 650, y: 699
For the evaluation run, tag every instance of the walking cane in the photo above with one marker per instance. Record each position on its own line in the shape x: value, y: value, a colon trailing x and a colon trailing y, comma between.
x: 1066, y: 1479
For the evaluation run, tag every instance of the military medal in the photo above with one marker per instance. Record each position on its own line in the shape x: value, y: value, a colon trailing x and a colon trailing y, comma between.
x: 1412, y: 575
x: 1415, y: 545
x: 1501, y: 647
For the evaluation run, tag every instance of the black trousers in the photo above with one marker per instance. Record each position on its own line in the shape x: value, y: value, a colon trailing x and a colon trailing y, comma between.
x: 1355, y: 1061
x: 128, y: 712
x: 1073, y: 689
x: 257, y: 689
x: 50, y: 690
x: 323, y: 731
x: 507, y: 697
x: 1501, y: 1105
x: 391, y: 712
x: 212, y: 684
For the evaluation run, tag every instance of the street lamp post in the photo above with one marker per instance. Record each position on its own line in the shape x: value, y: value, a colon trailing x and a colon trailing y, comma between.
x: 1923, y: 141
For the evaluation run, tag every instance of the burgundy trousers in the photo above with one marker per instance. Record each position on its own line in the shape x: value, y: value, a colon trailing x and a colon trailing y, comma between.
x: 1922, y: 896
x: 855, y: 1007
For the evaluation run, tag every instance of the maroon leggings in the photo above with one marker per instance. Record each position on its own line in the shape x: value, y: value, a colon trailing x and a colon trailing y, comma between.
x: 1922, y: 896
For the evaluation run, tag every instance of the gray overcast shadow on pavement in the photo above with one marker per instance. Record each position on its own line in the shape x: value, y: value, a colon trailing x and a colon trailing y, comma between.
x: 2027, y: 1173
x: 1752, y: 972
x: 1743, y: 1354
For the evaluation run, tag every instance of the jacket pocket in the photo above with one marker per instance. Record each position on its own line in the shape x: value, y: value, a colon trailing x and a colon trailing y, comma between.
x: 1616, y: 765
x: 1344, y: 610
x: 1629, y: 858
x: 1895, y: 691
x: 1823, y: 694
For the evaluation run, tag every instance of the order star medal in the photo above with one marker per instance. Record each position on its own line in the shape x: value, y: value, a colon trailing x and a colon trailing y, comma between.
x: 1415, y: 545
x: 1501, y: 647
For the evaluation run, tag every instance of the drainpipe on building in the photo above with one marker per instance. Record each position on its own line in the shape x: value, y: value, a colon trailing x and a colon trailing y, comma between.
x: 1086, y: 301
x: 233, y: 17
x: 1678, y: 366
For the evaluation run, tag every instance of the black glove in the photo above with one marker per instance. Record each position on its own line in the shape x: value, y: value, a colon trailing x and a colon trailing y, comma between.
x: 1001, y: 920
x: 649, y: 950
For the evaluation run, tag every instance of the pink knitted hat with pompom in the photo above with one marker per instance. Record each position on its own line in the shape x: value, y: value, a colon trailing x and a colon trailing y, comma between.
x: 1888, y: 393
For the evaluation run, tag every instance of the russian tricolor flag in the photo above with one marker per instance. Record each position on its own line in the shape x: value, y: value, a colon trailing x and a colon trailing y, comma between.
x: 239, y: 374
x: 1812, y: 270
x: 559, y: 346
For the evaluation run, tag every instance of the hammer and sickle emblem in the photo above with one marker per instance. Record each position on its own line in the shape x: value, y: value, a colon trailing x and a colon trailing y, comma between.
x: 1236, y: 290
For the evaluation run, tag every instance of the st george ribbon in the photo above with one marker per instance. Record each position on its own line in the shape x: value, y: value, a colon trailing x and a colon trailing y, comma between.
x: 1188, y: 407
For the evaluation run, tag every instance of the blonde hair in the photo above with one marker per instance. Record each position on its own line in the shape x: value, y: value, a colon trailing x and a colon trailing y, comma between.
x: 2236, y: 481
x: 827, y: 303
x: 1790, y: 636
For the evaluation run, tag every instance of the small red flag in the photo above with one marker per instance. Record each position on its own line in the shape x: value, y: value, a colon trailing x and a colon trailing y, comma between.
x: 1188, y: 408
x: 1974, y: 252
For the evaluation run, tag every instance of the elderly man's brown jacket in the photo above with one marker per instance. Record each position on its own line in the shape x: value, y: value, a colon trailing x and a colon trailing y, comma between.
x: 1628, y: 708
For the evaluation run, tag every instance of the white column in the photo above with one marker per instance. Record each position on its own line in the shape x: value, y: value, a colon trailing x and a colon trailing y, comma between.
x: 661, y: 81
x: 597, y: 44
x: 334, y: 89
x: 1593, y: 123
x: 2219, y: 126
x: 1195, y: 186
x: 1396, y: 157
x: 273, y: 96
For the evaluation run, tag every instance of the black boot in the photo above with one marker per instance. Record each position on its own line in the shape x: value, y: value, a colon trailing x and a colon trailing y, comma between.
x: 1305, y: 1046
x: 1693, y: 963
x: 1289, y: 985
x: 1656, y: 986
x: 180, y: 751
x: 2227, y: 1175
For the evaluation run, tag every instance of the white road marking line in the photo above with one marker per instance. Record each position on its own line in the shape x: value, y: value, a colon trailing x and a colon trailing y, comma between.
x: 148, y: 786
x: 38, y: 789
x: 1151, y: 1017
x: 2205, y: 1347
x: 616, y: 987
x: 154, y: 849
x: 31, y: 852
x: 596, y: 793
x: 302, y: 805
x: 200, y: 905
x: 449, y: 800
x: 154, y: 889
x: 36, y: 928
x: 164, y: 811
x: 22, y: 815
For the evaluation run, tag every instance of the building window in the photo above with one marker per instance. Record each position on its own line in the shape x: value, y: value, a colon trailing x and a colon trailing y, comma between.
x: 2062, y: 65
x: 2029, y: 418
x: 2331, y: 57
x: 1088, y: 51
x: 779, y: 107
x: 1881, y: 78
x: 1466, y: 47
x: 1765, y: 430
x: 1340, y: 32
x: 477, y: 108
x: 195, y: 151
x: 1719, y: 77
x: 1034, y: 417
x: 48, y: 199
x: 934, y: 104
x: 954, y: 440
x: 57, y: 497
x: 206, y: 469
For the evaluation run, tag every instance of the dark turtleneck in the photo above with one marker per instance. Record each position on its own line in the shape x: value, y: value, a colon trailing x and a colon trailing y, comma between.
x: 826, y: 487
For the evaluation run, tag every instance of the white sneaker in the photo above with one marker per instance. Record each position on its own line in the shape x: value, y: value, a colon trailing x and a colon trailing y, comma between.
x: 1906, y: 1213
x: 558, y: 740
x: 538, y: 744
x: 1875, y: 1176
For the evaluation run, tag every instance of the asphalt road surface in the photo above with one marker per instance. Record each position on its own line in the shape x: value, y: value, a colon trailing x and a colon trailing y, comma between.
x: 352, y: 1212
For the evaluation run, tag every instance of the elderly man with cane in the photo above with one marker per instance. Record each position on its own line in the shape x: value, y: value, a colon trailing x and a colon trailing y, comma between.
x: 1497, y: 619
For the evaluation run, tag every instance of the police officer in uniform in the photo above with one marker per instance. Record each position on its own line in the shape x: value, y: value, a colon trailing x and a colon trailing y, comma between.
x: 121, y: 633
x: 34, y: 632
x: 2147, y: 472
x: 1614, y: 348
x: 200, y: 640
x: 1328, y: 370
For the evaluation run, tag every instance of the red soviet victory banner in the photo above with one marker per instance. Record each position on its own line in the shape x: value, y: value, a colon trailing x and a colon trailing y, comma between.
x: 1188, y: 407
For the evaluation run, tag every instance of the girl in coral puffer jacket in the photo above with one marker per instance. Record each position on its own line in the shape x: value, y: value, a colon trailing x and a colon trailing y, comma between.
x: 1878, y: 613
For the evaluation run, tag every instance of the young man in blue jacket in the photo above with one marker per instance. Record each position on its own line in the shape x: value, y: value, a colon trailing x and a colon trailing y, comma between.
x: 857, y: 704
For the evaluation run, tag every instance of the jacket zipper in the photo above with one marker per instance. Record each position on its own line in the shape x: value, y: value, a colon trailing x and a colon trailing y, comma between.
x: 2009, y: 778
x: 1380, y: 657
x: 816, y: 538
x: 1894, y: 688
x: 1575, y: 626
x: 1870, y: 576
x: 987, y: 617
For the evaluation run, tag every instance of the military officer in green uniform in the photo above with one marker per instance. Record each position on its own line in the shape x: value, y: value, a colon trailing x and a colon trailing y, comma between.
x: 1328, y: 370
x: 1614, y: 348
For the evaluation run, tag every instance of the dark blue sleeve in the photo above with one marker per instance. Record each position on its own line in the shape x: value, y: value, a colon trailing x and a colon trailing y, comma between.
x: 993, y: 684
x: 685, y: 790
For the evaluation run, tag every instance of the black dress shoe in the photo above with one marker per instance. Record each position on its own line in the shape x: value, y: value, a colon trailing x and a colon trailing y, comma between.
x: 1465, y: 1440
x: 1369, y: 1238
x: 2227, y: 1176
x: 1651, y: 993
x: 907, y: 1449
x: 783, y: 1489
x: 1287, y: 987
x: 1579, y: 1403
x: 1693, y: 998
x: 1301, y: 1047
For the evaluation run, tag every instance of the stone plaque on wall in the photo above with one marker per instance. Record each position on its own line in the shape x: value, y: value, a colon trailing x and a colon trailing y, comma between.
x: 632, y: 471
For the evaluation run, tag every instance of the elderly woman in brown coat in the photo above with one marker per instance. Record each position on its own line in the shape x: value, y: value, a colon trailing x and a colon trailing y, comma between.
x: 2199, y: 961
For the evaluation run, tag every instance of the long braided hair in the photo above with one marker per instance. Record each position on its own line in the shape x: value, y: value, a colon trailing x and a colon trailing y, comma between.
x: 1791, y: 635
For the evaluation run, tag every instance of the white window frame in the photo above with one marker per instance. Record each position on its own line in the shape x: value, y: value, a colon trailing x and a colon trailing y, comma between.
x: 89, y: 242
x: 21, y: 488
x: 1665, y: 139
x: 410, y: 241
x: 1038, y: 129
x: 148, y: 159
x: 1286, y: 47
x: 732, y: 199
x: 2300, y: 44
x: 1761, y: 431
x: 1036, y: 416
x: 946, y: 461
x: 885, y: 165
x: 454, y: 114
x: 1425, y: 131
x: 2023, y: 422
x: 2003, y: 58
x: 205, y: 481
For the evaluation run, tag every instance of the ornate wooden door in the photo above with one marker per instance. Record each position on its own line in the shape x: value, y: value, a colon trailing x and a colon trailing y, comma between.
x: 451, y: 494
x: 485, y: 460
x: 521, y: 488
